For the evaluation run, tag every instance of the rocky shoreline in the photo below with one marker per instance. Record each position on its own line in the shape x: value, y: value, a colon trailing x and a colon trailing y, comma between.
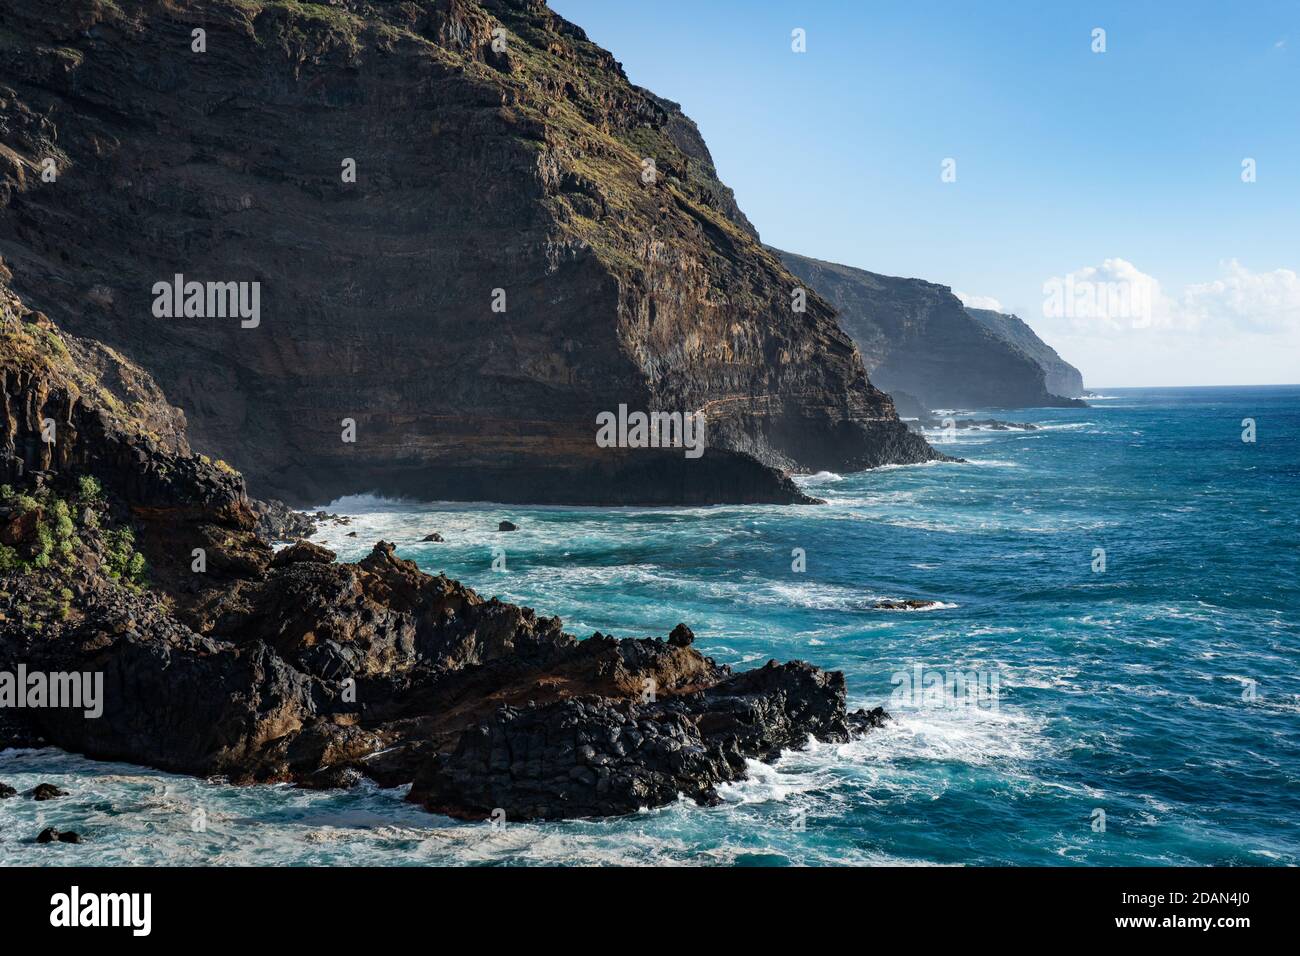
x: 320, y: 673
x: 126, y: 556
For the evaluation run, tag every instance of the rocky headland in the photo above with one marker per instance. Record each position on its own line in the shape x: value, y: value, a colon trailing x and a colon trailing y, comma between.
x: 925, y: 348
x: 1060, y: 377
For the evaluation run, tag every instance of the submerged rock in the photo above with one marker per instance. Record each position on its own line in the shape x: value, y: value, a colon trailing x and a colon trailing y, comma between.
x: 432, y: 536
x: 331, y: 778
x: 51, y: 835
x: 908, y: 604
x: 7, y: 791
x: 994, y: 424
x: 507, y: 526
x: 47, y: 791
x: 860, y: 721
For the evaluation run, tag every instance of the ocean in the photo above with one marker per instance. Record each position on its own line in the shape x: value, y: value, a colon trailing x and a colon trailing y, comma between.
x: 1144, y: 712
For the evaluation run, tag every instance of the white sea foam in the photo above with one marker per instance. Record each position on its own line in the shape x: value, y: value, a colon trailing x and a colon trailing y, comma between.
x: 967, y: 735
x: 917, y: 464
x: 820, y: 478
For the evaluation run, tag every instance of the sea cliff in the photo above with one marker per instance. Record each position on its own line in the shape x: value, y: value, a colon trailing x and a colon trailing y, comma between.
x: 467, y: 235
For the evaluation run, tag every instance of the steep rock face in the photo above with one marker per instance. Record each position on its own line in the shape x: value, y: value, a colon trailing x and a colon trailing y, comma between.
x: 517, y: 177
x: 918, y: 340
x: 1062, y: 378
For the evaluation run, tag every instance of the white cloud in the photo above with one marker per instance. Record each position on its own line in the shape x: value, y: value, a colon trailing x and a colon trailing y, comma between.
x: 1111, y: 297
x: 1262, y: 302
x: 1119, y: 325
x: 978, y: 301
x: 1117, y: 297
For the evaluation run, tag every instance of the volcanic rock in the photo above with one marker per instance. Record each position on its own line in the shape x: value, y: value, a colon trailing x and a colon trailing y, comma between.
x: 293, y: 667
x: 276, y: 521
x: 301, y: 551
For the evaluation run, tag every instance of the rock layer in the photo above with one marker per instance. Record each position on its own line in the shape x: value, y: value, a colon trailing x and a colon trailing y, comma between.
x: 530, y: 240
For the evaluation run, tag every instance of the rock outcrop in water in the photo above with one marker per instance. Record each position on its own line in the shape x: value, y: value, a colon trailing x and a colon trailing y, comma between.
x: 123, y: 555
x: 919, y: 342
x: 528, y: 241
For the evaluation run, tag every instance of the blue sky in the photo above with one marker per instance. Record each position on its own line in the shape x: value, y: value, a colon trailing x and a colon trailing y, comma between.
x: 1115, y: 167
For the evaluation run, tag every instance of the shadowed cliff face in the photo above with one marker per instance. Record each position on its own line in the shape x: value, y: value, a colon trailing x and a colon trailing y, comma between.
x: 1061, y: 377
x: 918, y: 339
x: 514, y: 176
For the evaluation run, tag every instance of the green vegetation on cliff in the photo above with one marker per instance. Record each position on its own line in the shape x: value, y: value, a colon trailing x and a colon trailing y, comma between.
x: 43, y: 534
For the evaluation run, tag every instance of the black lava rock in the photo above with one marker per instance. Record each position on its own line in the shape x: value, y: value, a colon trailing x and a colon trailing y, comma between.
x: 681, y: 636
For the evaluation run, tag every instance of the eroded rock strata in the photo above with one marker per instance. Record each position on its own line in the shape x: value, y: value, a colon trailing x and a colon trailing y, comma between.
x: 124, y: 555
x: 530, y: 241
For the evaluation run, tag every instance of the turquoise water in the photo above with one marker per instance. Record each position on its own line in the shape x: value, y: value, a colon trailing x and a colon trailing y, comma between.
x: 1163, y: 690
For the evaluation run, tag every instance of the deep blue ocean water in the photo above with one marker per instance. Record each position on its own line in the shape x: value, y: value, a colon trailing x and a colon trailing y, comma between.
x: 1163, y: 691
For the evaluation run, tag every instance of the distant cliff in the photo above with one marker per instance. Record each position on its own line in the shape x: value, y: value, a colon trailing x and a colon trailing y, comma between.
x: 919, y: 342
x: 470, y: 235
x: 1062, y: 377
